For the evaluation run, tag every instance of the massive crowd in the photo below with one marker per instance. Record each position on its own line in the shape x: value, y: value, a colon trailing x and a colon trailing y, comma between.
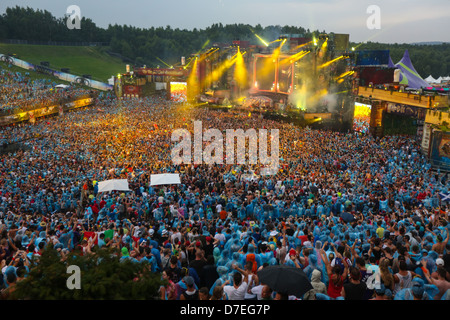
x: 20, y: 93
x: 361, y: 216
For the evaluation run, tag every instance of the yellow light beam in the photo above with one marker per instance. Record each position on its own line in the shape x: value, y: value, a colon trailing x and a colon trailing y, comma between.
x: 282, y: 43
x: 205, y: 44
x: 326, y: 64
x: 163, y: 62
x: 294, y: 57
x: 189, y: 62
x: 240, y: 71
x: 262, y: 40
x: 219, y: 71
x: 345, y: 74
x: 193, y: 82
x: 302, y: 45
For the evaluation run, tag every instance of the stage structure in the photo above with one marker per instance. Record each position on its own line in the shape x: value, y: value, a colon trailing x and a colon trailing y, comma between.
x: 297, y: 74
x: 143, y: 82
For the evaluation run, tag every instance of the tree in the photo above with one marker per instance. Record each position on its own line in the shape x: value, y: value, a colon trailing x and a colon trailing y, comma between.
x: 103, y: 276
x: 170, y: 44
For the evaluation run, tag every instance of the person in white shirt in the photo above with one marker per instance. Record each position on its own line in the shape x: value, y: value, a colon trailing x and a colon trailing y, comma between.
x: 176, y: 236
x: 252, y: 282
x: 257, y: 290
x: 240, y: 284
x: 219, y: 236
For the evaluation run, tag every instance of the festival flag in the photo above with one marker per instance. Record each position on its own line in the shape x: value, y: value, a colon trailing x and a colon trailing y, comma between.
x: 89, y: 235
x: 445, y: 196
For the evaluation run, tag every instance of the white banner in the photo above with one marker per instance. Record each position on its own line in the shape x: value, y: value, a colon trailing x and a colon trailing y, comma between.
x: 164, y: 178
x: 113, y: 185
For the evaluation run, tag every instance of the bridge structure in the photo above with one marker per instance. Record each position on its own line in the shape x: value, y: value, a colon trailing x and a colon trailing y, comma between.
x: 409, y: 103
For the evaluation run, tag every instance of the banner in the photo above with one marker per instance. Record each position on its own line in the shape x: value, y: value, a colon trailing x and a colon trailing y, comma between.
x: 113, y: 185
x: 410, y: 111
x: 164, y: 178
x: 440, y: 149
x: 426, y: 138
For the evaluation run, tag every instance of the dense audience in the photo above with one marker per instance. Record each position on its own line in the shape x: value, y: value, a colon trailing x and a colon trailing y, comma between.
x: 20, y: 93
x: 362, y: 217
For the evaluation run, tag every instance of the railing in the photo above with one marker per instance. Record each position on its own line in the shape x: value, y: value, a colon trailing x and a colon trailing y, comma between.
x: 417, y: 100
x: 31, y: 115
x: 443, y: 166
x: 41, y: 105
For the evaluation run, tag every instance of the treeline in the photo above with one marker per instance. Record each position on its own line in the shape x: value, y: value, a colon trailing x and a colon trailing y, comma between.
x: 151, y: 45
x: 143, y: 46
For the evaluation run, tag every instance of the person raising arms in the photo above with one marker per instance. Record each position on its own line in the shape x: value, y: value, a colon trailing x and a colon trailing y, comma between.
x: 335, y: 274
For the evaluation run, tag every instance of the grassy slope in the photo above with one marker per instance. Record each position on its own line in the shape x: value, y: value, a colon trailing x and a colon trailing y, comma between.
x: 80, y: 60
x: 36, y: 75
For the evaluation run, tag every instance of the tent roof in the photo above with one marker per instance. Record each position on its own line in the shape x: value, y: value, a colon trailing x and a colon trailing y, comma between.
x: 430, y: 79
x: 390, y: 63
x: 409, y: 75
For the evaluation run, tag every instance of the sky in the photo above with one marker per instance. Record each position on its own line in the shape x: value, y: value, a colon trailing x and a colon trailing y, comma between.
x: 385, y: 21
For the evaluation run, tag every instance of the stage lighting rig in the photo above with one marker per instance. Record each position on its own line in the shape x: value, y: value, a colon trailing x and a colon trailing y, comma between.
x: 349, y: 55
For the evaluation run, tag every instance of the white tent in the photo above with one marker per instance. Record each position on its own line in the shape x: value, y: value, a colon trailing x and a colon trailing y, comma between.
x: 114, y: 184
x: 164, y: 178
x: 430, y: 79
x: 64, y: 86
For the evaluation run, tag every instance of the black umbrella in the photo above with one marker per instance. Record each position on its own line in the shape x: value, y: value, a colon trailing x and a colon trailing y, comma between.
x: 347, y: 217
x: 286, y: 280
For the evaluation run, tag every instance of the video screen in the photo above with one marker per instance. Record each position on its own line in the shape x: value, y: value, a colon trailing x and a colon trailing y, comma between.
x: 178, y: 91
x: 361, y: 117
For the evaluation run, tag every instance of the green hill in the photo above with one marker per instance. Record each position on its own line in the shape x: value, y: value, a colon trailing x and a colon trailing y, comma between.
x: 80, y: 60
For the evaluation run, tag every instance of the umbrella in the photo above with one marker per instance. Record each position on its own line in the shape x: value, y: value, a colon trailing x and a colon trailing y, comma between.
x: 285, y: 279
x: 347, y: 217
